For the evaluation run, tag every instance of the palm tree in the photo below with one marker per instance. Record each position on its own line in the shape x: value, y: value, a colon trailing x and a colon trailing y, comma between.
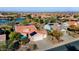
x: 13, y: 36
x: 53, y: 19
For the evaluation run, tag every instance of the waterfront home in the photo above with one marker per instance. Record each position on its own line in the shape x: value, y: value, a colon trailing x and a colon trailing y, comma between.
x: 25, y: 29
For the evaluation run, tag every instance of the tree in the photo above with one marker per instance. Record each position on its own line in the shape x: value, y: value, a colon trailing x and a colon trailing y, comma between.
x: 41, y: 21
x: 46, y: 21
x: 57, y: 34
x: 53, y: 19
x: 2, y: 46
x: 29, y: 16
x: 76, y: 16
x: 6, y: 27
x: 24, y: 22
x: 13, y: 36
x: 36, y: 20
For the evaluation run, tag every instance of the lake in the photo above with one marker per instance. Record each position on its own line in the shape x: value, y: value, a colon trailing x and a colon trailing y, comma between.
x: 5, y: 21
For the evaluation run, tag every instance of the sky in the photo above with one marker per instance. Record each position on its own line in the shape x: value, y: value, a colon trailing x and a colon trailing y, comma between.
x: 39, y: 9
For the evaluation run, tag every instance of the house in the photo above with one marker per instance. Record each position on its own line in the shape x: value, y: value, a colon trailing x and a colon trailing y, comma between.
x: 25, y: 29
x: 72, y: 23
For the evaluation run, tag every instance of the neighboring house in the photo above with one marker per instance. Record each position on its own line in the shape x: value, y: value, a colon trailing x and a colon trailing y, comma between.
x: 72, y: 22
x: 56, y: 26
x: 47, y: 27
